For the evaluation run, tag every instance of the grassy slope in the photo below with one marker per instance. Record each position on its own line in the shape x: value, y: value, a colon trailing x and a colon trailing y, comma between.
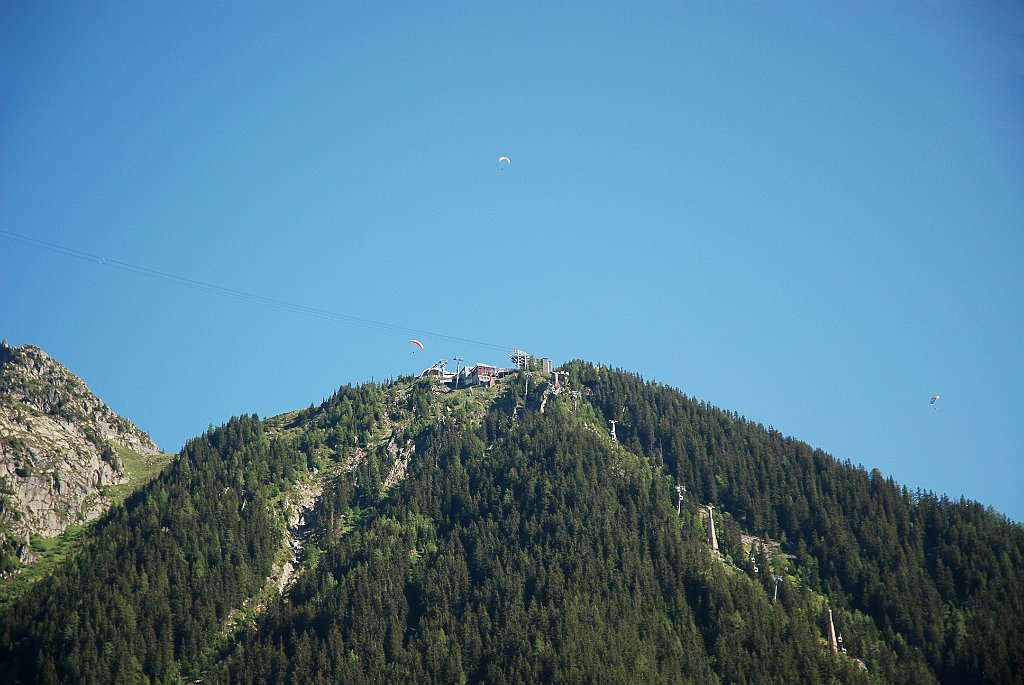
x: 53, y: 551
x: 140, y: 469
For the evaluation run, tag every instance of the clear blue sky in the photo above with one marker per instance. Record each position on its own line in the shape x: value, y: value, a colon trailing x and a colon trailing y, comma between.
x: 807, y: 213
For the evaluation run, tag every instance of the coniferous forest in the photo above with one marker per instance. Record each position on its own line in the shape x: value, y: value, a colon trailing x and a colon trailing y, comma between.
x: 499, y: 535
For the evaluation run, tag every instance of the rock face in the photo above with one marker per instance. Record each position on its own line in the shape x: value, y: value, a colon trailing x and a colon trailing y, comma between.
x: 55, y: 448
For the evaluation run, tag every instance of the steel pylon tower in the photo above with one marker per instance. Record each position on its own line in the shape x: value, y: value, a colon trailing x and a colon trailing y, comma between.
x: 520, y: 358
x: 458, y: 364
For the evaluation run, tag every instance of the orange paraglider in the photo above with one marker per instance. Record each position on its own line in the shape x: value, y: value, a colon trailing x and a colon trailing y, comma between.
x: 417, y: 343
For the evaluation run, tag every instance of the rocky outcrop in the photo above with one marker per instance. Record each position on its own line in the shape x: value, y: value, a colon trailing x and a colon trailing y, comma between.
x: 56, y: 454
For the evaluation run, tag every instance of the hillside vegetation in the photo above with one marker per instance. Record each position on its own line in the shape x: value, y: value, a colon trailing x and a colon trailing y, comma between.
x: 406, y: 533
x: 65, y: 458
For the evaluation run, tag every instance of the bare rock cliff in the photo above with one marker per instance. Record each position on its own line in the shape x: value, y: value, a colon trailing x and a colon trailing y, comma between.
x: 55, y: 448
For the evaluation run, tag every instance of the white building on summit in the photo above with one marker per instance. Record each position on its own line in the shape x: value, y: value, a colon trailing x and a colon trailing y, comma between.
x: 479, y: 373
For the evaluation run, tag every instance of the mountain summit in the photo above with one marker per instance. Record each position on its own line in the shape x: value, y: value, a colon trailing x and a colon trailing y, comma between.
x: 59, y: 450
x: 542, y: 527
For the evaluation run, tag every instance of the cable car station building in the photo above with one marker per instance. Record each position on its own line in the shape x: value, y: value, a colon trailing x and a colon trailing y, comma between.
x: 481, y: 374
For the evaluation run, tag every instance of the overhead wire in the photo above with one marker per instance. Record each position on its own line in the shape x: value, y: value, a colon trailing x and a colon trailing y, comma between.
x: 250, y: 297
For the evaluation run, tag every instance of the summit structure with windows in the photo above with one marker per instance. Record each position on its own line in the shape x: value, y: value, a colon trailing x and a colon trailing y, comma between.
x: 485, y: 374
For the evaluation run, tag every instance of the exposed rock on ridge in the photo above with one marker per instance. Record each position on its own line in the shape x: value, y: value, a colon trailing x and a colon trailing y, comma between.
x: 55, y: 448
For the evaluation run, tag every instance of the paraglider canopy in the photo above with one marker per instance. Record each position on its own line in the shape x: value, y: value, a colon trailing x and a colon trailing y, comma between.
x: 504, y: 161
x: 935, y: 397
x: 417, y: 343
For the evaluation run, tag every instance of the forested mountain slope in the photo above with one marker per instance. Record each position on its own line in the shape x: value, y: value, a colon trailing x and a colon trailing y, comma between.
x: 462, y: 537
x: 941, y: 578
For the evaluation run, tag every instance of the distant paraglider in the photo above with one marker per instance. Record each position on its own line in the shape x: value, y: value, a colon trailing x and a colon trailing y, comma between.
x: 417, y: 343
x: 935, y: 398
x: 503, y: 162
